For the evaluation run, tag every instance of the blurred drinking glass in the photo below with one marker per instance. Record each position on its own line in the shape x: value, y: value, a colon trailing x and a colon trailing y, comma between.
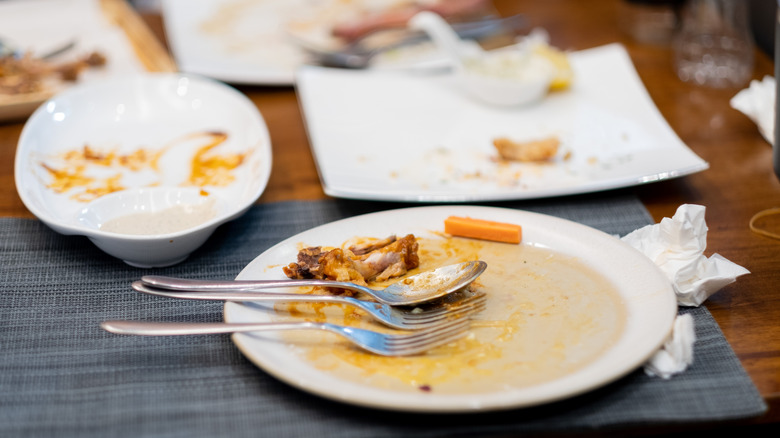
x: 714, y: 46
x: 650, y: 21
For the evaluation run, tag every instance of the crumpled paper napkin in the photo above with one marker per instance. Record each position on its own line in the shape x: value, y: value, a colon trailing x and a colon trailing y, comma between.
x: 758, y: 103
x: 676, y: 355
x: 677, y: 246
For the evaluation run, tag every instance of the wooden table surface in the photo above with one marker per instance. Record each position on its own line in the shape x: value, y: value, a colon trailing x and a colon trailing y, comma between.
x: 739, y: 183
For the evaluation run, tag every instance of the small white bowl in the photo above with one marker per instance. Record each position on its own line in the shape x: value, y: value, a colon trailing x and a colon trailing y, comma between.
x: 502, y: 78
x: 152, y: 227
x: 506, y: 78
x: 108, y: 149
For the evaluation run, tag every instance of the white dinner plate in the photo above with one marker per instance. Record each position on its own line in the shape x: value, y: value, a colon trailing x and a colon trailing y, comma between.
x: 149, y: 129
x: 392, y: 136
x: 646, y: 293
x: 240, y: 42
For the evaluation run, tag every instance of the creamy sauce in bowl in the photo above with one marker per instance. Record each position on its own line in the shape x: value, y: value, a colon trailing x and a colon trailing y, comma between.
x: 151, y: 212
x: 171, y: 220
x: 547, y: 315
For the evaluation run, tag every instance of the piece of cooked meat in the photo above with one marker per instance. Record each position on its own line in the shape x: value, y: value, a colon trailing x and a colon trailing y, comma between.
x: 377, y: 260
x: 535, y: 150
x: 307, y: 265
x: 391, y: 260
x: 367, y: 247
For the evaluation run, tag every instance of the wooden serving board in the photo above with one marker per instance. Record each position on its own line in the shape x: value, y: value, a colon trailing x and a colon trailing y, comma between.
x: 147, y: 47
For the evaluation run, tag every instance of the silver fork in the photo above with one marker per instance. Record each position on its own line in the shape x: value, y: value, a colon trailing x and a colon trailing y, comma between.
x: 397, y: 317
x: 7, y: 49
x: 358, y: 55
x: 384, y: 344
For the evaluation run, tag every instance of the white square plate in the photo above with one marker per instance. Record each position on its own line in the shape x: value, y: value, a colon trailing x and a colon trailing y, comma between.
x: 401, y: 136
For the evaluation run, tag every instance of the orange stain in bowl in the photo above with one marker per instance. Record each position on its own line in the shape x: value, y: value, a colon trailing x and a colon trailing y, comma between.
x: 82, y: 172
x: 209, y: 169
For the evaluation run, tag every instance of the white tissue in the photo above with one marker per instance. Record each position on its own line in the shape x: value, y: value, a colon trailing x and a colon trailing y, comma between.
x: 677, y: 246
x: 758, y: 103
x: 677, y: 353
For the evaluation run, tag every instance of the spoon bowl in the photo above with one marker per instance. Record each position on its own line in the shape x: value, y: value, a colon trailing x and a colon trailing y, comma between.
x: 412, y: 290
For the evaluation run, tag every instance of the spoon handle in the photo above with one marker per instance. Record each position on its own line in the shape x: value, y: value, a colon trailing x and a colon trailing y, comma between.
x: 240, y: 295
x: 441, y: 33
x: 188, y: 284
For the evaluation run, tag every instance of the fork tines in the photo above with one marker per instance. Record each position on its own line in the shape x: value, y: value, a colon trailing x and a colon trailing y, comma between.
x: 439, y: 318
x: 443, y: 308
x: 424, y: 340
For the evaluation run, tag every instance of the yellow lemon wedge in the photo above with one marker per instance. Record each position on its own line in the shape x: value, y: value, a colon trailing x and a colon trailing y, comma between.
x: 563, y: 71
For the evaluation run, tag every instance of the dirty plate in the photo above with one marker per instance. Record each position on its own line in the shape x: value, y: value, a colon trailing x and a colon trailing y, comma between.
x: 317, y: 365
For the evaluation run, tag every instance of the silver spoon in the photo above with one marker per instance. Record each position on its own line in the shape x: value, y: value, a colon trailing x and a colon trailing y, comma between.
x: 404, y: 318
x: 416, y: 289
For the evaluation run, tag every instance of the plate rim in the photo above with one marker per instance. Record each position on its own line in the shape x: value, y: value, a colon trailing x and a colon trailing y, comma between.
x: 490, y: 197
x: 243, y: 341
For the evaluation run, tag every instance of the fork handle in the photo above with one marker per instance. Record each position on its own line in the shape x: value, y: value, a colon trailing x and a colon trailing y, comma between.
x: 147, y: 328
x: 188, y: 284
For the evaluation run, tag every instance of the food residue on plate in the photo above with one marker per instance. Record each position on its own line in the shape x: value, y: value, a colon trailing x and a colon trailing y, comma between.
x: 29, y: 74
x: 527, y: 151
x: 88, y: 173
x: 468, y: 166
x: 548, y: 315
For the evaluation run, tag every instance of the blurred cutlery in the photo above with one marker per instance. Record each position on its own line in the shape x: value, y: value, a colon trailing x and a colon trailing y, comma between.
x: 8, y: 49
x: 358, y: 54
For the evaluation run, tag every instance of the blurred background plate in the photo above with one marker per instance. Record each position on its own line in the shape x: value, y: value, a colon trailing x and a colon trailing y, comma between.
x: 391, y: 136
x: 259, y: 42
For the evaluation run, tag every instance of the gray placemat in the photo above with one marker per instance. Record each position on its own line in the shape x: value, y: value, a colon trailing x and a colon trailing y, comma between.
x: 61, y: 375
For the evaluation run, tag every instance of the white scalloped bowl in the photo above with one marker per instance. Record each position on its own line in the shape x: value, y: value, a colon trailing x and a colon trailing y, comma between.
x: 147, y: 135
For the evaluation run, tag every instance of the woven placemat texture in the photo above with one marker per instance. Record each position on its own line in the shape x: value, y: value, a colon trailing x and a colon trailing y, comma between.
x: 61, y: 375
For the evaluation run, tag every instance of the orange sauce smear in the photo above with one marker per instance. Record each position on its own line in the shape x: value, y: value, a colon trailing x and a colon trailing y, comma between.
x: 76, y: 173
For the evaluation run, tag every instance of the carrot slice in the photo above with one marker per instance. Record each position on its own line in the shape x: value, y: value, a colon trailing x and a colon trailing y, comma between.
x: 483, y: 229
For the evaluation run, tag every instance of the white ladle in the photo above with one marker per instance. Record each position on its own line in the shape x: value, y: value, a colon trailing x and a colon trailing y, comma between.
x: 504, y: 78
